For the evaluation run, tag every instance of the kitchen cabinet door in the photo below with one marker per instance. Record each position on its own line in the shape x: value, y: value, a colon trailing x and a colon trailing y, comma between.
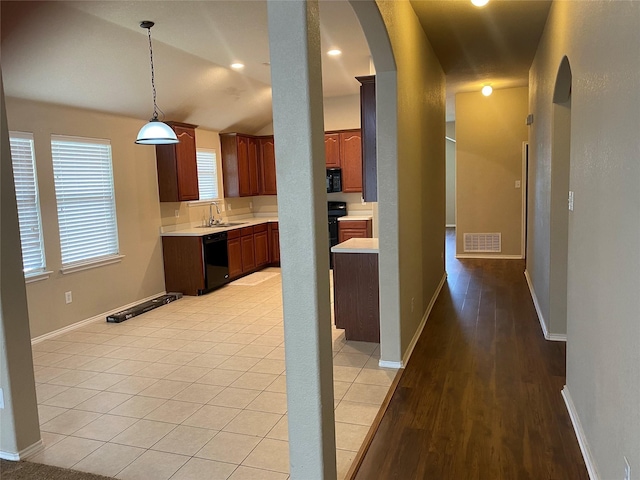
x: 267, y: 163
x: 332, y: 149
x: 368, y: 126
x: 254, y: 187
x: 244, y: 166
x: 261, y: 243
x: 248, y: 253
x: 274, y: 243
x: 239, y: 165
x: 351, y: 161
x: 177, y: 167
x: 353, y: 229
x: 234, y: 251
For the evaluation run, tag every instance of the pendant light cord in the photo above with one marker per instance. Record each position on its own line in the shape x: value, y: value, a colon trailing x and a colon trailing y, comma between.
x: 153, y: 80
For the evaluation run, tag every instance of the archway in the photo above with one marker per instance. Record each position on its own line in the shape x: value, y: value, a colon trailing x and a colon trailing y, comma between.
x: 560, y: 195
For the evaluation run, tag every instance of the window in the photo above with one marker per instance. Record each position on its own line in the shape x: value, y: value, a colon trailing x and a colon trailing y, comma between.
x: 83, y: 179
x: 207, y: 173
x: 26, y: 182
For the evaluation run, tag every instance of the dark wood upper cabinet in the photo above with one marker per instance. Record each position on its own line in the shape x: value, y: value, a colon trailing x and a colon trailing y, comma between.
x: 332, y: 149
x: 239, y: 164
x: 177, y: 167
x: 351, y: 159
x: 254, y: 188
x: 267, y: 164
x: 368, y: 127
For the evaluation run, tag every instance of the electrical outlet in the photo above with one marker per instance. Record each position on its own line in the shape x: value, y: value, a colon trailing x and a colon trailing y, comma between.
x: 229, y: 205
x: 68, y: 298
x: 517, y: 183
x: 177, y: 213
x: 627, y: 469
x: 250, y: 205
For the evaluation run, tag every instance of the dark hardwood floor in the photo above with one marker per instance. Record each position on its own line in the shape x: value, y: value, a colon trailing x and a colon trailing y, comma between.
x: 480, y: 397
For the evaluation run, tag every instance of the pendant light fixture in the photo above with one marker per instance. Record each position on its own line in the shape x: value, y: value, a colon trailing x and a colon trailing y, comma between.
x: 155, y: 132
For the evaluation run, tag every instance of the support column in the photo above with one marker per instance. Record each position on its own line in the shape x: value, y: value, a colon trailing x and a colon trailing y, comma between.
x: 19, y: 427
x: 296, y: 79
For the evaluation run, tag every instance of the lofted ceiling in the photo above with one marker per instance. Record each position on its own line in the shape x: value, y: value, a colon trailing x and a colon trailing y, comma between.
x: 94, y: 55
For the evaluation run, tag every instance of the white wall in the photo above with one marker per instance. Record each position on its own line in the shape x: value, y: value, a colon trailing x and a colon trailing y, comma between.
x: 602, y: 41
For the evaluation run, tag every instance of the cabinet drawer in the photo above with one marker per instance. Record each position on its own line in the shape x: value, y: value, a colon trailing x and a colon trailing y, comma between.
x: 244, y: 231
x: 235, y: 233
x: 260, y: 228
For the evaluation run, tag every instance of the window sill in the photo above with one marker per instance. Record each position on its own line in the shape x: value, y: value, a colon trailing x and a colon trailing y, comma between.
x: 37, y: 277
x: 78, y: 267
x: 199, y: 203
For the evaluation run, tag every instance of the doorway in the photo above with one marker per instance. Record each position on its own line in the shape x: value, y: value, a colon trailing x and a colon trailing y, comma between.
x: 560, y: 190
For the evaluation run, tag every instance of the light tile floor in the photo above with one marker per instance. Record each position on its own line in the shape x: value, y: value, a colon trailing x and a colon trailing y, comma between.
x: 192, y: 390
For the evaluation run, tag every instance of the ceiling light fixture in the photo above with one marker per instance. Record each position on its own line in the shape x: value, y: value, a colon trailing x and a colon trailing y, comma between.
x: 479, y: 3
x: 334, y: 52
x: 487, y: 90
x: 237, y: 65
x: 155, y: 132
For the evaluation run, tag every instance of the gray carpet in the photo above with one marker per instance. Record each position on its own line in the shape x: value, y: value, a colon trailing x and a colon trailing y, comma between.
x: 35, y: 471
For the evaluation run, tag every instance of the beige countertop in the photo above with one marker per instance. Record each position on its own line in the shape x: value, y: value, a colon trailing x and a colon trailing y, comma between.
x: 357, y: 245
x: 192, y: 230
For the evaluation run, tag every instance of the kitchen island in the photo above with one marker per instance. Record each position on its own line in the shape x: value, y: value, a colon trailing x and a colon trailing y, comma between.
x: 355, y: 289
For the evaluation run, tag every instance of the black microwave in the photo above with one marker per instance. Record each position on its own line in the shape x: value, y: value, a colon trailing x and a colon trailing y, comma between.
x: 334, y: 180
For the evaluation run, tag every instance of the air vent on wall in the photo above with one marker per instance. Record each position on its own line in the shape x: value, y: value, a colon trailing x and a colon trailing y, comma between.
x: 482, y: 242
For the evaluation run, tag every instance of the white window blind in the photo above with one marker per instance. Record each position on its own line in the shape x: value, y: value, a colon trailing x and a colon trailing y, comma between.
x: 207, y: 173
x: 83, y: 179
x: 26, y: 183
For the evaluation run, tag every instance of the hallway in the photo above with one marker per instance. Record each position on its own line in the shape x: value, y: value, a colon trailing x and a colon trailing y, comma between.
x: 480, y: 397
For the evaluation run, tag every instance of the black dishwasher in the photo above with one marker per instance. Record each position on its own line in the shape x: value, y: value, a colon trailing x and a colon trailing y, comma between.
x: 216, y: 261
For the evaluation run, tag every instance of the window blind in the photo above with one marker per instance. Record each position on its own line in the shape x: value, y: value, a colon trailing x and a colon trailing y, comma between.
x: 207, y: 173
x: 26, y: 185
x: 85, y: 198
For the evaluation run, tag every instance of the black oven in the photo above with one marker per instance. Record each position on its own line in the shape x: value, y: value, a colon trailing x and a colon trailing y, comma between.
x: 336, y: 210
x: 334, y: 180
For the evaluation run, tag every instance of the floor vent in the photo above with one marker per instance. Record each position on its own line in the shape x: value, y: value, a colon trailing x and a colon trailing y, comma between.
x: 483, y: 242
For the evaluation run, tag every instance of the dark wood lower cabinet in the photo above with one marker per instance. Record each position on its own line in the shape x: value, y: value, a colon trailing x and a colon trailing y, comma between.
x: 274, y: 243
x: 356, y: 295
x: 248, y: 253
x: 261, y: 244
x: 234, y: 250
x: 183, y: 264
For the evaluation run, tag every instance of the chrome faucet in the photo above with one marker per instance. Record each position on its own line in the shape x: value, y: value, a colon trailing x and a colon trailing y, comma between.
x: 212, y: 220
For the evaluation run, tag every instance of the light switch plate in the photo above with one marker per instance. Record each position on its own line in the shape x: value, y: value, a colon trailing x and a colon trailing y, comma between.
x: 518, y: 183
x: 570, y: 201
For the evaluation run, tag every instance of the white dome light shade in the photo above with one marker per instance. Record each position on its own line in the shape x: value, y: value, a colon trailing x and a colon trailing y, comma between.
x: 479, y: 3
x: 487, y: 90
x: 156, y: 133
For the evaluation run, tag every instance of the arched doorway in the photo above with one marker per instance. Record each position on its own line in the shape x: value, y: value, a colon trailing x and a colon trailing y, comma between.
x: 561, y: 198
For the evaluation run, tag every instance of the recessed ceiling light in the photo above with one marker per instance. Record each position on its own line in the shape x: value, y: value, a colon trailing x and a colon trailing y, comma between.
x: 334, y: 52
x: 479, y: 3
x: 487, y: 90
x: 237, y: 66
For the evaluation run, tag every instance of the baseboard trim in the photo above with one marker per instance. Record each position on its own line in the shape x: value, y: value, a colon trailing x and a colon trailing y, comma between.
x: 95, y: 318
x: 388, y: 364
x: 582, y: 439
x: 24, y: 453
x: 423, y: 322
x: 488, y: 256
x: 553, y: 337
